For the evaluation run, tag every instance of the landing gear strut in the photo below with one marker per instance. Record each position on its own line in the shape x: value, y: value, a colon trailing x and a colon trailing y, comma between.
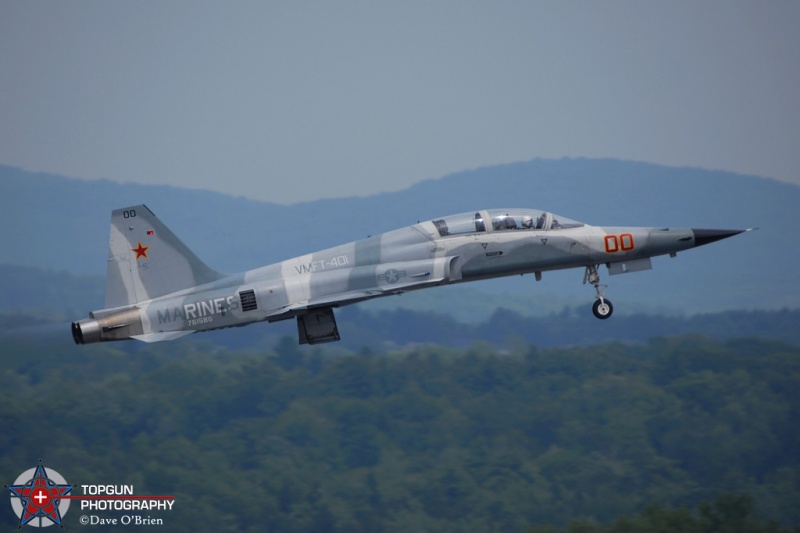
x: 602, y: 307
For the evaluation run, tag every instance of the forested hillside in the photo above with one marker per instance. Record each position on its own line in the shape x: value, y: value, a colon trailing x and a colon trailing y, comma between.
x: 424, y: 439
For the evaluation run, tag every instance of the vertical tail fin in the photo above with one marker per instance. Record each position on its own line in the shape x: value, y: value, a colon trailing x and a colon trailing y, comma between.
x: 146, y: 260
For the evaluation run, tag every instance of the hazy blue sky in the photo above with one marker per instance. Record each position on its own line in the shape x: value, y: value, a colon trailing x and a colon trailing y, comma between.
x: 293, y: 101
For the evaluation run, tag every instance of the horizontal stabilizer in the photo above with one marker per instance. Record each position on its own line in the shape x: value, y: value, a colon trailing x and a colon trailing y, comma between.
x: 163, y: 336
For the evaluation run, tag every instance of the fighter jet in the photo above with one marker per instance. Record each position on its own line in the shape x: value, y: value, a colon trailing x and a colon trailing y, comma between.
x: 157, y: 289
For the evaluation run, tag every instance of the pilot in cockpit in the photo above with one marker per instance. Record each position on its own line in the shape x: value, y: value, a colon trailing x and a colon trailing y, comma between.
x: 527, y: 222
x: 479, y: 225
x: 503, y: 223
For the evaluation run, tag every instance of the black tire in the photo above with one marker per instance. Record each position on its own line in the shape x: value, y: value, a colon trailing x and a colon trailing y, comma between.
x: 602, y: 309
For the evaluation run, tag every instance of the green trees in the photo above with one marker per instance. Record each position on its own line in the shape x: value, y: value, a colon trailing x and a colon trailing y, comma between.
x: 427, y: 439
x: 728, y: 513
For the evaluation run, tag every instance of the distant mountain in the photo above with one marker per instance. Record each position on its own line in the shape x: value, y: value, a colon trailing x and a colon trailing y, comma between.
x: 60, y: 223
x: 48, y: 293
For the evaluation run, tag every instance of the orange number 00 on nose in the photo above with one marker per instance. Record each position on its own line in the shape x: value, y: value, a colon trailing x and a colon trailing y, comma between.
x: 619, y: 243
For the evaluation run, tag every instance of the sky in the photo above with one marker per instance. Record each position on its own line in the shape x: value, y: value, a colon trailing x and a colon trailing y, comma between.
x: 288, y: 102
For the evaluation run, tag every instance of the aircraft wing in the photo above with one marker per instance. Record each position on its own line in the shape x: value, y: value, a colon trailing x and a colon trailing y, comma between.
x: 394, y: 278
x: 335, y: 300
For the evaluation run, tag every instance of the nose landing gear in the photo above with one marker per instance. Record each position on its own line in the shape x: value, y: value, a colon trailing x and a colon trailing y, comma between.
x: 602, y: 307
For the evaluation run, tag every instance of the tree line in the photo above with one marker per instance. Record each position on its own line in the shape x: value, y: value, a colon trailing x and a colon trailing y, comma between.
x: 609, y: 437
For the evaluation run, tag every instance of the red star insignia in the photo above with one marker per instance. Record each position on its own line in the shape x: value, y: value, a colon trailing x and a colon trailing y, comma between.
x: 141, y: 251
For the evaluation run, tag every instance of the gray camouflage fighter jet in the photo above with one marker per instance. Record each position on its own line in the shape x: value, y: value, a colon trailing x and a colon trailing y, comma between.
x: 157, y: 289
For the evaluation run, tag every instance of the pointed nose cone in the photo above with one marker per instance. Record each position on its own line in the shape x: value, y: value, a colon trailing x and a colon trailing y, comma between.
x: 706, y: 236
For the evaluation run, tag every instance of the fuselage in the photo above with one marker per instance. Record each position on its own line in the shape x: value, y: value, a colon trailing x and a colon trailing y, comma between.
x: 455, y: 249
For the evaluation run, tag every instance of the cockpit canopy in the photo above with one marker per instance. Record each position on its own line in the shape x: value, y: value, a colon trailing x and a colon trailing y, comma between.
x: 502, y: 220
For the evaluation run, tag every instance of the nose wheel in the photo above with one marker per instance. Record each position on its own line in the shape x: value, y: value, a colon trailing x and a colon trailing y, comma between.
x: 602, y: 307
